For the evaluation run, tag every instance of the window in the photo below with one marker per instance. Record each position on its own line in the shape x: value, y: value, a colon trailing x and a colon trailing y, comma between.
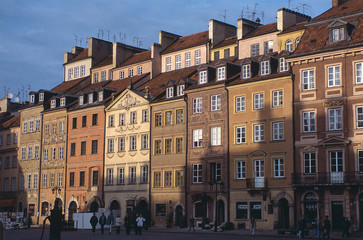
x: 309, y: 121
x: 74, y: 123
x: 167, y: 146
x: 61, y: 128
x: 84, y: 121
x: 60, y: 179
x: 308, y: 80
x: 83, y: 70
x: 265, y: 67
x: 157, y: 179
x: 216, y: 167
x: 259, y: 133
x: 95, y: 178
x: 200, y: 209
x: 246, y: 71
x: 122, y: 119
x: 132, y: 143
x: 179, y: 145
x: 82, y: 175
x: 309, y: 162
x: 36, y: 152
x: 256, y: 210
x: 167, y: 180
x: 284, y: 66
x: 45, y: 180
x: 76, y: 72
x: 70, y: 73
x: 279, y: 167
x: 133, y: 118
x: 73, y: 149
x: 7, y: 162
x: 297, y: 41
x: 360, y: 161
x: 139, y: 70
x: 215, y: 136
x: 277, y: 131
x: 333, y: 73
x: 144, y: 141
x: 241, y: 210
x: 255, y: 50
x: 240, y: 170
x: 226, y: 53
x: 240, y: 135
x: 131, y: 72
x: 268, y: 47
x: 41, y: 97
x: 21, y: 182
x: 216, y: 102
x: 338, y: 34
x: 197, y: 138
x: 29, y: 180
x: 240, y: 104
x: 198, y: 57
x: 144, y: 174
x: 61, y: 153
x: 14, y: 162
x: 111, y: 121
x: 132, y: 175
x: 53, y: 153
x: 197, y: 173
x: 289, y: 45
x: 52, y: 178
x: 170, y: 92
x: 122, y: 74
x: 54, y: 128
x: 35, y: 181
x: 335, y: 119
x: 95, y: 77
x: 157, y: 119
x: 187, y: 59
x: 25, y: 127
x: 221, y: 73
x: 258, y: 101
x: 83, y: 148
x: 179, y: 116
x: 45, y: 154
x: 23, y: 153
x: 359, y: 113
x: 121, y: 144
x: 37, y: 125
x: 31, y: 126
x: 168, y: 118
x: 94, y: 149
x: 32, y: 98
x: 145, y: 115
x: 216, y: 55
x: 8, y: 139
x: 6, y: 184
x: 94, y: 119
x: 121, y: 176
x: 15, y: 138
x: 178, y: 61
x: 46, y: 130
x: 90, y: 98
x: 179, y: 178
x: 202, y: 77
x: 100, y: 96
x: 168, y: 64
x: 30, y: 152
x: 81, y: 100
x: 197, y: 105
x: 109, y: 176
x: 277, y: 97
x: 110, y: 145
x: 157, y: 147
x: 180, y: 90
x: 358, y: 72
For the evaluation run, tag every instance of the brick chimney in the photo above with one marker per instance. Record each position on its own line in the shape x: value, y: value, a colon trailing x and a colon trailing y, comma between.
x: 245, y: 26
x: 287, y: 18
x: 336, y: 3
x: 218, y: 31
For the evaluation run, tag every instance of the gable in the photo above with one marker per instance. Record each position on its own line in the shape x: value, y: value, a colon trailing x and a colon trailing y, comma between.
x: 126, y: 100
x: 334, y: 141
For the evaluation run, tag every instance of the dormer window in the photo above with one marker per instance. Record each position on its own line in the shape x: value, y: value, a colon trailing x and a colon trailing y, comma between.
x: 168, y: 64
x: 76, y: 72
x: 131, y: 72
x: 246, y: 71
x: 83, y: 70
x: 80, y: 100
x: 338, y: 34
x: 289, y: 45
x: 32, y: 98
x: 170, y: 92
x: 297, y: 41
x: 221, y: 73
x: 180, y: 90
x: 95, y: 77
x: 265, y: 68
x: 63, y: 101
x: 202, y: 77
x: 139, y: 70
x: 41, y: 97
x: 103, y: 76
x: 53, y: 103
x: 70, y: 73
x: 283, y: 65
x: 100, y: 96
x: 90, y: 98
x: 122, y: 74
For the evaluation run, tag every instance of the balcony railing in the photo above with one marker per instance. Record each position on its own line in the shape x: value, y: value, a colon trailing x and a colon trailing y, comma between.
x: 328, y: 178
x: 256, y: 183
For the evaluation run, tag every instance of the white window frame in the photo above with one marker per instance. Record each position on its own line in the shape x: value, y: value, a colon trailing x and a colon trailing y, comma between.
x: 144, y: 178
x: 63, y: 101
x: 83, y: 70
x: 121, y: 144
x: 240, y: 135
x: 133, y: 118
x: 168, y: 64
x: 265, y: 67
x: 277, y: 131
x: 170, y: 92
x: 53, y: 103
x: 215, y: 102
x: 187, y: 59
x: 215, y: 133
x: 61, y: 127
x: 309, y: 121
x: 289, y: 45
x: 277, y: 98
x: 70, y: 73
x: 257, y: 101
x: 121, y: 176
x: 333, y: 76
x: 145, y: 115
x: 111, y: 121
x: 284, y: 66
x: 36, y: 151
x: 335, y: 119
x: 197, y: 138
x: 53, y: 153
x: 31, y: 126
x: 25, y: 127
x: 259, y: 132
x: 197, y: 173
x: 197, y: 105
x: 76, y: 72
x: 338, y: 34
x: 139, y: 70
x: 90, y: 98
x: 109, y: 176
x: 95, y: 77
x: 131, y: 72
x: 52, y: 180
x: 45, y: 154
x: 132, y: 175
x: 110, y: 145
x: 178, y: 62
x: 180, y: 90
x: 60, y: 179
x: 246, y: 71
x: 279, y: 167
x: 198, y: 57
x: 240, y: 169
x: 311, y: 167
x: 122, y: 119
x: 41, y: 97
x: 35, y: 180
x: 359, y: 116
x: 61, y: 153
x: 358, y: 72
x: 221, y: 73
x: 132, y: 143
x: 308, y: 79
x: 202, y: 77
x: 45, y: 180
x: 240, y: 103
x: 122, y: 74
x: 144, y: 141
x: 255, y: 50
x: 32, y: 98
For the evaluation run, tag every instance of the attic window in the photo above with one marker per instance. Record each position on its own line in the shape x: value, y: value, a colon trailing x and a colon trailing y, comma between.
x: 90, y: 98
x: 265, y: 68
x: 246, y: 71
x: 100, y: 96
x: 52, y: 103
x: 32, y: 98
x: 80, y: 100
x: 221, y: 73
x: 63, y: 101
x: 180, y: 90
x: 41, y: 97
x: 170, y: 92
x: 338, y: 34
x: 202, y: 77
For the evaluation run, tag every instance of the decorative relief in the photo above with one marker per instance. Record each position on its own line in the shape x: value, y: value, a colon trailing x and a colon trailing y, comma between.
x: 128, y: 101
x: 121, y: 154
x: 132, y: 153
x: 110, y: 155
x: 144, y: 152
x: 129, y: 127
x: 309, y: 148
x: 333, y: 103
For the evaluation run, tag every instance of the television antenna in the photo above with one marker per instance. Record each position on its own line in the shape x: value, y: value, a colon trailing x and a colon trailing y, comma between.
x: 224, y: 15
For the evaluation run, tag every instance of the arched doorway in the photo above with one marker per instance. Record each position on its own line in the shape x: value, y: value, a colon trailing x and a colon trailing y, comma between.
x: 115, y: 205
x: 284, y: 216
x: 179, y: 216
x: 59, y: 203
x: 310, y: 206
x: 94, y: 207
x: 20, y: 207
x: 143, y: 209
x: 220, y: 212
x: 72, y: 209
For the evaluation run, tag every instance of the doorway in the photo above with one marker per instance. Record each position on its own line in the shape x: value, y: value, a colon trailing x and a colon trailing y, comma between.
x: 72, y: 209
x: 259, y: 174
x: 220, y: 213
x: 94, y: 207
x: 284, y: 216
x: 179, y: 216
x: 337, y: 214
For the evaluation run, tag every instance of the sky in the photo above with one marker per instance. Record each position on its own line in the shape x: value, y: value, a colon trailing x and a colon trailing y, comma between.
x: 35, y: 34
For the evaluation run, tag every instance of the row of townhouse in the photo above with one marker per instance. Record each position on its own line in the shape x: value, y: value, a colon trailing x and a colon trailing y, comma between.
x: 258, y: 121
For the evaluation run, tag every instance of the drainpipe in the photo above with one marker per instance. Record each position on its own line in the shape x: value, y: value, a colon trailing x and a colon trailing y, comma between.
x: 293, y: 142
x: 65, y: 164
x: 40, y: 168
x: 228, y: 171
x: 149, y: 177
x: 103, y: 156
x: 186, y: 160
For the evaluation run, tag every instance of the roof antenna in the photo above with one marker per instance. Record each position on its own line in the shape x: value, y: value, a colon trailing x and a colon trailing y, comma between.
x: 76, y: 38
x: 130, y: 85
x: 224, y: 15
x: 303, y: 5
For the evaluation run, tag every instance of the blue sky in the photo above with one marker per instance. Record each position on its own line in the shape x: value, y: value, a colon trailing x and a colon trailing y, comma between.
x: 34, y: 34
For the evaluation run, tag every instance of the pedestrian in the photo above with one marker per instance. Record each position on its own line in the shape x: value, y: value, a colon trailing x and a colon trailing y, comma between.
x: 191, y: 223
x: 252, y: 226
x: 2, y: 231
x: 345, y: 227
x: 320, y: 228
x: 118, y: 224
x: 110, y: 222
x: 127, y: 223
x: 29, y: 221
x: 314, y: 226
x: 327, y: 227
x: 93, y: 221
x: 135, y: 224
x: 140, y: 223
x: 301, y: 228
x: 102, y: 221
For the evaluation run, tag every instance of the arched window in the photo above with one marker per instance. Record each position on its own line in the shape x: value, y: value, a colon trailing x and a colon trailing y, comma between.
x: 297, y: 41
x: 289, y: 46
x: 310, y: 206
x: 45, y: 208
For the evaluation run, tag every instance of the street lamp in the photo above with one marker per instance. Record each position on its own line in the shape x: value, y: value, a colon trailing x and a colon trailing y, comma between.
x: 56, y: 191
x: 221, y: 186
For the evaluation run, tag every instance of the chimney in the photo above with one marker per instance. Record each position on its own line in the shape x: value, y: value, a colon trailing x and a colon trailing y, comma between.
x: 336, y: 3
x: 166, y: 38
x: 218, y: 31
x: 244, y: 27
x: 156, y: 59
x: 287, y: 18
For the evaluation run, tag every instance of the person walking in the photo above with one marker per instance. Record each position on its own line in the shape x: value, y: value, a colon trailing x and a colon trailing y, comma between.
x: 140, y: 224
x: 345, y: 227
x: 93, y: 221
x: 127, y: 223
x: 110, y: 222
x: 29, y: 221
x: 191, y: 223
x: 315, y: 226
x: 102, y: 221
x: 252, y: 226
x: 301, y: 228
x: 327, y: 227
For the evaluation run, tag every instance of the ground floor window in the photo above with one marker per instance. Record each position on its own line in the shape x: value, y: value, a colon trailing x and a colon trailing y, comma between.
x: 45, y: 208
x: 160, y: 210
x: 31, y: 209
x: 310, y: 206
x: 241, y: 210
x: 256, y: 210
x: 200, y: 209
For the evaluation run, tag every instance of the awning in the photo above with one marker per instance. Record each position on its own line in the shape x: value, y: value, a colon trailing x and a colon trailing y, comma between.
x: 7, y: 203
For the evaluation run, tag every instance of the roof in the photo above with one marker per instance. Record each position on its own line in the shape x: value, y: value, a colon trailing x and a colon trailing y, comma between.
x: 10, y: 121
x: 261, y: 30
x: 136, y: 58
x: 104, y: 62
x: 65, y: 86
x: 94, y: 86
x: 295, y: 27
x: 226, y: 42
x: 188, y: 42
x: 348, y: 7
x: 239, y: 80
x: 82, y: 55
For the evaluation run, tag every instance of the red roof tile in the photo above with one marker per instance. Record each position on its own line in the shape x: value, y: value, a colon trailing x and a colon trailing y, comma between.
x: 348, y: 7
x: 226, y: 42
x: 261, y: 30
x: 188, y: 41
x: 10, y: 121
x: 295, y: 27
x: 82, y: 55
x: 65, y: 86
x: 136, y: 58
x: 104, y: 62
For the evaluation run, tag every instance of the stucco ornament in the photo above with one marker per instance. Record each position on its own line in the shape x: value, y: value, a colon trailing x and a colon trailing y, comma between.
x: 128, y: 101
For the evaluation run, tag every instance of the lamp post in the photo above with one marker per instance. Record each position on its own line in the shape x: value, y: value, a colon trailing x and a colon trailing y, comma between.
x: 221, y: 185
x: 56, y: 191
